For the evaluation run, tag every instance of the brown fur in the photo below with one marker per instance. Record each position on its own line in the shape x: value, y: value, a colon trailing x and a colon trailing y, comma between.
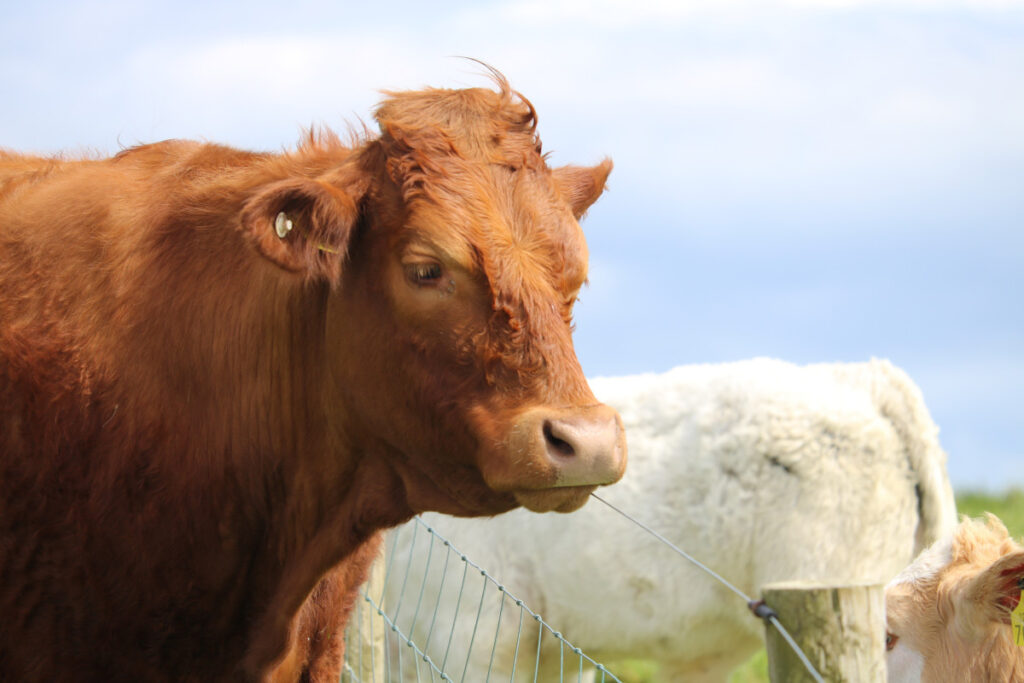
x: 199, y: 419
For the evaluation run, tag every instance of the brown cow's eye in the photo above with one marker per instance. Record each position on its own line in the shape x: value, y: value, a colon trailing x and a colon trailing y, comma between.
x: 890, y: 641
x: 423, y: 274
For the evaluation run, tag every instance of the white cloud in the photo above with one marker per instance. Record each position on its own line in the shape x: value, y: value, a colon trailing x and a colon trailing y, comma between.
x: 281, y: 68
x: 256, y: 90
x: 606, y: 13
x: 630, y: 14
x: 907, y: 4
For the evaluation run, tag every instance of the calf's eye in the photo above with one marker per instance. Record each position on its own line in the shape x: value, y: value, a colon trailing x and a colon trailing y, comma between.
x: 423, y: 274
x: 890, y: 641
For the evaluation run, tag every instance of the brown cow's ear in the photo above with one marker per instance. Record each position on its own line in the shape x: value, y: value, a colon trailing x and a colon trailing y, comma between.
x: 302, y: 225
x: 582, y: 185
x: 992, y: 594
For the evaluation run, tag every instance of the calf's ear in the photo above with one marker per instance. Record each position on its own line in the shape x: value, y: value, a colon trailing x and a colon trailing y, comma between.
x: 303, y: 225
x: 580, y: 186
x: 992, y: 594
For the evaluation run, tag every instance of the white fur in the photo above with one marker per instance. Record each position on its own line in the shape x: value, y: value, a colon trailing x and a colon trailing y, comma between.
x: 763, y: 470
x: 904, y: 665
x: 928, y: 564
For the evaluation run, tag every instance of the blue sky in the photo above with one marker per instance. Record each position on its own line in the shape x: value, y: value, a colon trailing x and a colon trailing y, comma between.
x: 806, y: 179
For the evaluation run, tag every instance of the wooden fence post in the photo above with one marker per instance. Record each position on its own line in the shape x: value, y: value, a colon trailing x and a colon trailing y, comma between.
x: 840, y: 629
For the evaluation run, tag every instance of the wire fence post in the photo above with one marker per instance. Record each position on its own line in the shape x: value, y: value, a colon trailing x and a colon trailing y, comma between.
x: 840, y: 629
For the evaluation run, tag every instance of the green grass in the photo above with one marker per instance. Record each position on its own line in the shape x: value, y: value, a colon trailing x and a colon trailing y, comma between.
x: 635, y: 671
x: 1008, y: 507
x: 755, y: 670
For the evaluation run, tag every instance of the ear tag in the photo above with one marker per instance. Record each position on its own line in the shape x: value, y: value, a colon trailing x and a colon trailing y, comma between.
x: 1017, y: 621
x: 282, y: 225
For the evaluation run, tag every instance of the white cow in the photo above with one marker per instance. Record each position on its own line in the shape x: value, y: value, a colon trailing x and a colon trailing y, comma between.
x: 764, y: 470
x: 948, y: 613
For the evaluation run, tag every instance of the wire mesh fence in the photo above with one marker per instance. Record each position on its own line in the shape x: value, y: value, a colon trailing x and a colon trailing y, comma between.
x: 430, y: 613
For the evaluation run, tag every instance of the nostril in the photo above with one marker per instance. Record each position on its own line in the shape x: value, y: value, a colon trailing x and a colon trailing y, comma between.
x: 560, y: 446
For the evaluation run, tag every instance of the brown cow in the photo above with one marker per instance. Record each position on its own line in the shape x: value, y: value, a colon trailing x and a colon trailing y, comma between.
x: 221, y: 373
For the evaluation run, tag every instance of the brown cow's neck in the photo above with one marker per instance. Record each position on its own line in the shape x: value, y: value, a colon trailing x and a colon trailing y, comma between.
x: 343, y: 533
x: 279, y: 376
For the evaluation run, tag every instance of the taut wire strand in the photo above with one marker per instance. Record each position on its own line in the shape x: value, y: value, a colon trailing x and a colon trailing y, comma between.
x: 751, y: 604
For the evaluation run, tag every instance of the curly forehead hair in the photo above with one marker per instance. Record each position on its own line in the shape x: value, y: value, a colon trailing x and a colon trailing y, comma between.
x: 475, y: 124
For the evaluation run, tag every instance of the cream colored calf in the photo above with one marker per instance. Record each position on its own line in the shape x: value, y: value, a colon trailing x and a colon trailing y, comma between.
x: 949, y: 612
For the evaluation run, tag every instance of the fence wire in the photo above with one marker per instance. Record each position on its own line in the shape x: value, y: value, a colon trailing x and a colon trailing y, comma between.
x: 756, y: 606
x: 414, y: 627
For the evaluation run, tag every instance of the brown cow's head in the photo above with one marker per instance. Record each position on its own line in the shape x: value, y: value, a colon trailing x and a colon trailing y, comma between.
x: 455, y: 258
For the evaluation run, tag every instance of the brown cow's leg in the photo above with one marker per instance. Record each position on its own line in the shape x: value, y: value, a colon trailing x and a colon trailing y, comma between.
x: 317, y: 648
